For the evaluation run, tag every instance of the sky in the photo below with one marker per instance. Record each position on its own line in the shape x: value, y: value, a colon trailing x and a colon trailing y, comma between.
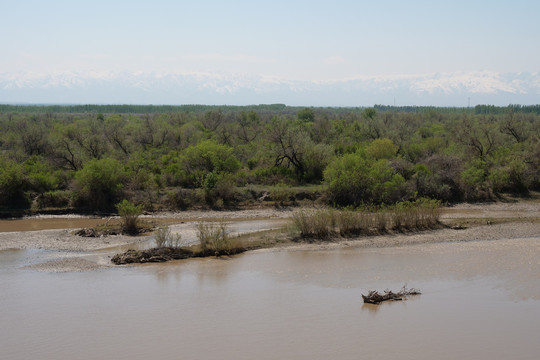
x: 315, y: 41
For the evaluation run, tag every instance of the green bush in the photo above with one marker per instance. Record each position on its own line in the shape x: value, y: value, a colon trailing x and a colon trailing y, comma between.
x: 429, y: 184
x: 475, y: 186
x: 382, y: 149
x: 99, y: 183
x: 219, y: 190
x: 347, y: 180
x: 385, y: 185
x: 129, y: 214
x: 281, y: 194
x: 444, y: 181
x: 207, y: 157
x: 13, y: 185
x: 273, y: 175
x: 353, y: 180
x: 54, y: 199
x: 180, y: 199
x: 41, y: 177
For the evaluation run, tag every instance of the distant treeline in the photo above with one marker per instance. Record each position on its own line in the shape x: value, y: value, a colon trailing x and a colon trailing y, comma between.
x: 478, y: 109
x: 90, y: 157
x: 132, y: 109
x: 281, y: 108
x: 493, y: 110
x: 424, y: 109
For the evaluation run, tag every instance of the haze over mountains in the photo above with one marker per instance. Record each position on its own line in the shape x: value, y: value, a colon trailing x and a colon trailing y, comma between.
x: 439, y: 89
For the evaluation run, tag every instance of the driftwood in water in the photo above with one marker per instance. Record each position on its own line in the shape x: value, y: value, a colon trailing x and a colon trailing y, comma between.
x: 374, y: 297
x: 162, y: 254
x: 93, y: 232
x: 151, y: 255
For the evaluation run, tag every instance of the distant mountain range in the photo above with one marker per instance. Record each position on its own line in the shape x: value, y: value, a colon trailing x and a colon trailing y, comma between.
x: 439, y: 89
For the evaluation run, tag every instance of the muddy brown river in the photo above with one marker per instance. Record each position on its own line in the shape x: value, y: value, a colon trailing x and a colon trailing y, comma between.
x: 480, y: 300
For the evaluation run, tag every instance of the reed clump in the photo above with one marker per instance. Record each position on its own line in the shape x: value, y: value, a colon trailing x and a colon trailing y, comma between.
x: 421, y: 214
x: 165, y: 238
x: 214, y: 239
x: 418, y: 215
x: 314, y: 223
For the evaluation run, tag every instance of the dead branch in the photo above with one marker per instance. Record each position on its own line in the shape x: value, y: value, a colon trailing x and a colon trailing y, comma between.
x: 374, y: 297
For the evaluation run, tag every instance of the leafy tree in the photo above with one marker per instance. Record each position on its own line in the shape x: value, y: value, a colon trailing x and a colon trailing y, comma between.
x: 40, y: 177
x: 116, y: 131
x: 99, y: 183
x: 381, y: 149
x: 306, y: 115
x: 384, y: 186
x: 32, y: 133
x: 480, y: 137
x: 12, y: 185
x: 247, y: 124
x: 354, y: 179
x: 293, y: 147
x: 474, y: 178
x: 347, y: 180
x: 194, y: 163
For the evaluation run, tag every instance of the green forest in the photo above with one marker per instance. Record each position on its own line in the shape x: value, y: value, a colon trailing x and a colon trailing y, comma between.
x: 88, y: 158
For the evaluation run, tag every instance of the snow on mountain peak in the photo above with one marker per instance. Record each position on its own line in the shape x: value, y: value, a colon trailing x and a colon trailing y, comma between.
x: 157, y: 87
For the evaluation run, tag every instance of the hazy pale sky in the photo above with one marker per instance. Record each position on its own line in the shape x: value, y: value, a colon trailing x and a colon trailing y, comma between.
x: 297, y: 40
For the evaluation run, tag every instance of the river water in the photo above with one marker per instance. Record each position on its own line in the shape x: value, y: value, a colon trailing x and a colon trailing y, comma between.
x: 480, y: 300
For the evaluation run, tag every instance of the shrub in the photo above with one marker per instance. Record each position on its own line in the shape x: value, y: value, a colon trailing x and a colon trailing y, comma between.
x: 429, y: 184
x: 445, y: 180
x: 206, y: 157
x: 130, y: 214
x: 12, y: 185
x: 474, y: 181
x: 351, y: 222
x: 380, y: 220
x: 180, y: 198
x: 347, y: 180
x: 164, y: 238
x: 54, y: 199
x: 382, y: 149
x: 316, y: 158
x: 281, y: 194
x: 417, y: 215
x: 219, y: 190
x: 313, y: 224
x: 214, y: 238
x: 322, y: 224
x: 100, y: 183
x: 353, y: 180
x: 41, y: 178
x: 273, y: 175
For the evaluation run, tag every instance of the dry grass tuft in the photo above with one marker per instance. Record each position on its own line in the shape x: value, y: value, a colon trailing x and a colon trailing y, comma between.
x: 322, y: 224
x: 313, y: 223
x: 164, y: 238
x: 214, y: 238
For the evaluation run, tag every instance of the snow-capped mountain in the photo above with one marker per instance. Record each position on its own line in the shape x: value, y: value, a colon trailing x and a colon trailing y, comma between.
x: 440, y: 89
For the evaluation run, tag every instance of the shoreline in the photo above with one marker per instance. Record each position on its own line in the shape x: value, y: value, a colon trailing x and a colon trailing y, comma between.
x: 483, y: 222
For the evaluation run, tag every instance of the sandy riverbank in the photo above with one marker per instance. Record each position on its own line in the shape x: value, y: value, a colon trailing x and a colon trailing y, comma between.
x: 521, y: 220
x: 485, y: 232
x: 64, y: 239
